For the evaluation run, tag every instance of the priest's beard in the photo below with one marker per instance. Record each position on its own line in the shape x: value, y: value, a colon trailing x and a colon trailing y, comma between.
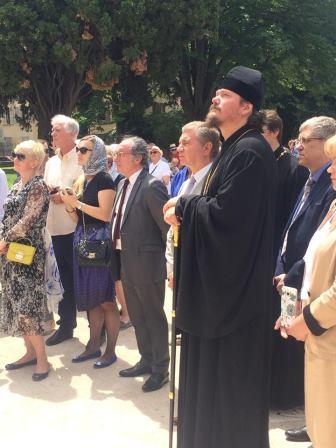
x: 212, y: 120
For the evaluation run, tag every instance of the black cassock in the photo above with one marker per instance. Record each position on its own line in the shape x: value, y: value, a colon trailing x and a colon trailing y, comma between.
x: 224, y: 295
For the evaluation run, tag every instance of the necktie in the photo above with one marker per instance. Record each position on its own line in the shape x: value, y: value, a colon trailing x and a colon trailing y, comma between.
x: 116, y: 230
x: 190, y: 185
x: 306, y: 192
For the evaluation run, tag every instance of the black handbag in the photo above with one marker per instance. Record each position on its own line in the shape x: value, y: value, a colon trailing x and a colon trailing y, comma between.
x: 95, y: 253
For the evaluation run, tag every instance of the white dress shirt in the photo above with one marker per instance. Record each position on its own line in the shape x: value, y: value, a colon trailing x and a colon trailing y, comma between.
x: 61, y: 171
x: 3, y: 192
x: 199, y: 177
x: 132, y: 179
x: 160, y: 170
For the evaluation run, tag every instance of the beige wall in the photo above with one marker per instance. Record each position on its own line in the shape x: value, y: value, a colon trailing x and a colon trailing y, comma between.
x: 15, y: 133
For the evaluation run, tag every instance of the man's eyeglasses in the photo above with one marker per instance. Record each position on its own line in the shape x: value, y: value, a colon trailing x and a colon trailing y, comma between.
x: 19, y: 156
x: 304, y: 141
x: 83, y: 149
x: 153, y: 152
x: 122, y: 154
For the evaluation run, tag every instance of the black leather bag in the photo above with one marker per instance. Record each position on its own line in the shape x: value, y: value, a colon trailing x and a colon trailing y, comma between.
x: 95, y: 253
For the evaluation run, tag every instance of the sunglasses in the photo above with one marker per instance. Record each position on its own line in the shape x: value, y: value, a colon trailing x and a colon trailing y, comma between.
x: 83, y: 149
x: 17, y: 155
x: 153, y: 152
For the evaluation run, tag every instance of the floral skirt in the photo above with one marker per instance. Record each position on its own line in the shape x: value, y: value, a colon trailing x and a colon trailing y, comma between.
x: 93, y: 285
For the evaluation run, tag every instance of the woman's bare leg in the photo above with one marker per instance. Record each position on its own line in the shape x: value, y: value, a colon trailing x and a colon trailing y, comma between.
x: 37, y: 341
x: 30, y: 352
x: 124, y: 316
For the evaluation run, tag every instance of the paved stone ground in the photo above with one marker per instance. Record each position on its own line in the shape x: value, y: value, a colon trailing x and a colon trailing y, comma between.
x: 80, y: 405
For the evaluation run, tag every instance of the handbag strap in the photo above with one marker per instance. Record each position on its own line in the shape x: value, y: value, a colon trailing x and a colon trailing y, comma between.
x: 86, y: 183
x: 24, y: 239
x: 84, y: 228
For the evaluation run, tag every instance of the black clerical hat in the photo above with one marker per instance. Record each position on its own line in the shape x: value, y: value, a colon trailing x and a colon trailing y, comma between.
x: 246, y: 82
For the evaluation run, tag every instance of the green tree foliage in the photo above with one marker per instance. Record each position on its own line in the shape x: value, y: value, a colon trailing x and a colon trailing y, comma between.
x: 55, y: 52
x: 291, y: 42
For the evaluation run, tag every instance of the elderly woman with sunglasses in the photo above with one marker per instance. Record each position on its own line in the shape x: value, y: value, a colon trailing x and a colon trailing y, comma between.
x: 158, y: 167
x: 317, y: 324
x: 90, y: 205
x: 24, y: 299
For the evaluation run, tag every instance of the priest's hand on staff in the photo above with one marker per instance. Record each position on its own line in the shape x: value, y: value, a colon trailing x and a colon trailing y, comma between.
x: 169, y: 204
x: 171, y: 218
x: 171, y: 280
x: 169, y: 212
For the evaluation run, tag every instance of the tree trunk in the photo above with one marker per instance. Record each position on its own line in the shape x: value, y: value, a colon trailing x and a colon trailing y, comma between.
x: 56, y: 90
x: 197, y: 79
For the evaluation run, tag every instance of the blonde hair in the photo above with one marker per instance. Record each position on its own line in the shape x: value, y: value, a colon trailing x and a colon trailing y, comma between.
x: 33, y: 149
x: 330, y: 147
x: 78, y: 186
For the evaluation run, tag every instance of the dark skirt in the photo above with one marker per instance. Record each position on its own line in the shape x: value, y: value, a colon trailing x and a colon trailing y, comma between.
x: 93, y: 285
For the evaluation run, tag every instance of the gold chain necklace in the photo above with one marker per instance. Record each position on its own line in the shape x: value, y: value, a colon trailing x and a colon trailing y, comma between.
x: 211, y: 174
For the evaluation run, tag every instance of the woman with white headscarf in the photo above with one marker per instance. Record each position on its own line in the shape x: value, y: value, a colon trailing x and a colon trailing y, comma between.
x: 90, y: 204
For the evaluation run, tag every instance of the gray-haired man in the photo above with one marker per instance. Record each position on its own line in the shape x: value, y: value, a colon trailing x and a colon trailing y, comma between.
x: 139, y: 239
x: 61, y: 171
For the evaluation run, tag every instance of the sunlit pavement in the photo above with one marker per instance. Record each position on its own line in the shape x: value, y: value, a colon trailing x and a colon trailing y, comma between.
x: 92, y: 408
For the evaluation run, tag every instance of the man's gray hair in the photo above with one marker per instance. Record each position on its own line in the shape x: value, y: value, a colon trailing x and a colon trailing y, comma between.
x: 205, y: 134
x: 139, y: 148
x: 70, y: 124
x: 321, y: 127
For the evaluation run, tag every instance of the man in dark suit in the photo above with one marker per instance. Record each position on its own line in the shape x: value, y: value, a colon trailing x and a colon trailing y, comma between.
x: 310, y: 209
x: 139, y: 239
x: 292, y: 176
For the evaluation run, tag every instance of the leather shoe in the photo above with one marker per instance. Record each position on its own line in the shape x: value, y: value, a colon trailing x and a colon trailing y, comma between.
x: 15, y: 366
x: 155, y: 382
x: 297, y: 435
x: 59, y: 336
x: 101, y: 364
x: 137, y: 370
x: 125, y: 325
x: 40, y: 376
x: 81, y: 358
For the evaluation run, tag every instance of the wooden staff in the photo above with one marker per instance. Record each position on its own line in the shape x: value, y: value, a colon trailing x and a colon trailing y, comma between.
x: 173, y: 337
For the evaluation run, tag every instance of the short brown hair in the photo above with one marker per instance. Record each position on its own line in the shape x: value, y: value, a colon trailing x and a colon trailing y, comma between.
x: 205, y: 134
x: 272, y: 121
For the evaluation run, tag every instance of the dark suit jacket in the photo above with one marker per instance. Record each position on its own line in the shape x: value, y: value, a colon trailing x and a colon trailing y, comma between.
x: 302, y: 230
x: 143, y: 231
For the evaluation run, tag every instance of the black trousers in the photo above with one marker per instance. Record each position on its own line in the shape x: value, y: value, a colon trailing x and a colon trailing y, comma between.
x: 63, y: 247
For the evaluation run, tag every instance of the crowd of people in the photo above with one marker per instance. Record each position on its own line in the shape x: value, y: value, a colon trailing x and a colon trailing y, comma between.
x: 255, y: 219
